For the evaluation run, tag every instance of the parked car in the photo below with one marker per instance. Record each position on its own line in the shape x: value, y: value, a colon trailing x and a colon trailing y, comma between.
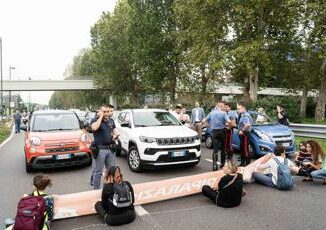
x: 154, y: 137
x: 264, y: 136
x: 56, y: 138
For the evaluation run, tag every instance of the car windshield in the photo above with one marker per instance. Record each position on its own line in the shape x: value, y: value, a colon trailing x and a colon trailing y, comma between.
x: 154, y: 118
x: 53, y: 122
x: 262, y: 119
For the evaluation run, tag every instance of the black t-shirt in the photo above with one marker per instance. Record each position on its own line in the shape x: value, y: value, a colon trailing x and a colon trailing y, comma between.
x: 102, y: 136
x: 284, y: 120
x: 107, y: 194
x: 230, y: 196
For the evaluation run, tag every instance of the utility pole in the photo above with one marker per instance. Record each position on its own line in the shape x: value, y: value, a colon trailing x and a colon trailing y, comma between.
x: 10, y: 68
x: 1, y: 96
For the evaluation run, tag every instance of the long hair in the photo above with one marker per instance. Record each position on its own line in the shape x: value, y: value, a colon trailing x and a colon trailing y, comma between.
x: 109, y: 175
x: 231, y: 166
x: 316, y: 150
x: 41, y: 182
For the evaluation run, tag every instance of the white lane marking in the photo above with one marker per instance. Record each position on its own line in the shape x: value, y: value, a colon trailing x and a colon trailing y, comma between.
x: 181, y: 210
x: 140, y: 211
x: 92, y: 226
x: 8, y: 139
x: 211, y: 161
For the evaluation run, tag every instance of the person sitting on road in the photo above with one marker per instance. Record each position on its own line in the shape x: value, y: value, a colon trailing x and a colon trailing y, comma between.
x: 116, y: 206
x: 229, y: 191
x: 302, y: 154
x: 317, y: 154
x: 40, y: 183
x: 274, y: 163
x: 321, y: 173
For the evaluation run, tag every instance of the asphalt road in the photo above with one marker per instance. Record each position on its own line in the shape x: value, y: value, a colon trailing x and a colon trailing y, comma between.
x: 263, y: 208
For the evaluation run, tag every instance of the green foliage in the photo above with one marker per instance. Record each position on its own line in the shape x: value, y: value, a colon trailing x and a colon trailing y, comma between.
x: 4, y: 132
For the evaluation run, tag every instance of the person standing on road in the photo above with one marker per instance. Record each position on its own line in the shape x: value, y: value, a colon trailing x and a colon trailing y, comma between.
x: 228, y: 191
x: 17, y: 119
x: 116, y: 206
x: 244, y: 130
x: 229, y: 130
x: 217, y: 120
x: 104, y: 132
x: 282, y: 116
x: 197, y: 116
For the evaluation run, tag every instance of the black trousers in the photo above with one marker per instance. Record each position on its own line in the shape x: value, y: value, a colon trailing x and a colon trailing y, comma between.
x: 210, y: 193
x: 228, y: 143
x: 244, y: 148
x: 218, y: 138
x: 119, y: 219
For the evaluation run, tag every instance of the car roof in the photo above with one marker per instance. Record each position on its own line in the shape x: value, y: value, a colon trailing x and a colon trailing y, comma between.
x: 52, y: 112
x: 144, y: 110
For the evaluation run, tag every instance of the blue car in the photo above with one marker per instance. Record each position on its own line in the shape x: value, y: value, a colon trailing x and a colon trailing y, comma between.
x: 265, y: 135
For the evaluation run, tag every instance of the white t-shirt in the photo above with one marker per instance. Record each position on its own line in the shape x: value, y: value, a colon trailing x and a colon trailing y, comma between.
x: 272, y: 166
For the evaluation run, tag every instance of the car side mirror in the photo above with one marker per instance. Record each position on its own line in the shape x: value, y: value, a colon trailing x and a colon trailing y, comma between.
x: 24, y: 128
x: 126, y: 124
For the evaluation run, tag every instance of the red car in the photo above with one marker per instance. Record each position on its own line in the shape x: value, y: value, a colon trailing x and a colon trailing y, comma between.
x: 56, y: 138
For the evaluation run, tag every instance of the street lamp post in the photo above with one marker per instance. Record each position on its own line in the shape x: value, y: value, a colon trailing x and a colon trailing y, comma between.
x: 1, y: 104
x: 10, y: 68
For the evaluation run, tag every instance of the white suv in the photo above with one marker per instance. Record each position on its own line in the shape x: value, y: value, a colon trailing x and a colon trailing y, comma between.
x: 154, y: 137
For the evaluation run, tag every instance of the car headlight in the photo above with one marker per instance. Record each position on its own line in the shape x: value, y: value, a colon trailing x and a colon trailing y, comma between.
x: 262, y: 135
x: 36, y: 141
x: 84, y: 137
x: 147, y: 139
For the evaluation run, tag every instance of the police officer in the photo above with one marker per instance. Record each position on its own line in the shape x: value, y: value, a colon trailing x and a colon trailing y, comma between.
x: 244, y: 130
x: 229, y: 130
x: 217, y: 120
x: 104, y: 132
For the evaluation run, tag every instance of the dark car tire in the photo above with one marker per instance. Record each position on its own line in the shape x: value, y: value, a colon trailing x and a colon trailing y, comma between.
x: 118, y: 149
x: 134, y: 161
x: 209, y: 142
x: 252, y: 151
x: 29, y: 167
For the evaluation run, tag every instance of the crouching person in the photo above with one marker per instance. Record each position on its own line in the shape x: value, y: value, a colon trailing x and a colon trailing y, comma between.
x: 229, y: 190
x: 116, y: 206
x: 279, y: 171
x: 34, y: 211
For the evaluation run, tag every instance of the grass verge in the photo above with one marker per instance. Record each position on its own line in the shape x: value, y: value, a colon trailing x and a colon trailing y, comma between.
x: 4, y: 132
x: 312, y: 121
x: 322, y: 142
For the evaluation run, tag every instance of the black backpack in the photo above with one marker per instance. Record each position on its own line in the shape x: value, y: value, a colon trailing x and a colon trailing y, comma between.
x: 122, y: 196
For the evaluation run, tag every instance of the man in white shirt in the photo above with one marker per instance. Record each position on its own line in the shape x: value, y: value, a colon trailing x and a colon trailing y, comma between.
x: 270, y: 179
x: 197, y: 116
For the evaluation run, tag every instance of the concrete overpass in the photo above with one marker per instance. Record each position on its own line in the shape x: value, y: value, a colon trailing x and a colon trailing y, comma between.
x: 47, y: 85
x: 61, y: 85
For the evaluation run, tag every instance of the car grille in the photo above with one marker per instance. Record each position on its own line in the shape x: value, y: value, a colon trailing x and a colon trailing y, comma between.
x: 176, y: 140
x: 64, y: 149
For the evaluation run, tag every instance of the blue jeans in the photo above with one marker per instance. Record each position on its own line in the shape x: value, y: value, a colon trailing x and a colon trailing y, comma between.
x: 264, y: 179
x: 17, y: 126
x: 319, y: 174
x: 105, y: 157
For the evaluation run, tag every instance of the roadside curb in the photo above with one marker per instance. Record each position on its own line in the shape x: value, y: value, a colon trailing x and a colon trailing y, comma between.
x: 8, y: 139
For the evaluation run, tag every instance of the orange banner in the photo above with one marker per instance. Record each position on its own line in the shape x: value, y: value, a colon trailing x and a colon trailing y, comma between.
x: 79, y: 204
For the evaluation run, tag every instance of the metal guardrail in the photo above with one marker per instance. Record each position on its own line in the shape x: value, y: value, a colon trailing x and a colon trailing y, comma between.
x: 307, y: 130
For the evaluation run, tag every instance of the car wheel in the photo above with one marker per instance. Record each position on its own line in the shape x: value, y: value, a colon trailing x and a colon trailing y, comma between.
x: 118, y: 149
x: 252, y: 151
x: 134, y: 161
x: 209, y: 142
x: 29, y: 167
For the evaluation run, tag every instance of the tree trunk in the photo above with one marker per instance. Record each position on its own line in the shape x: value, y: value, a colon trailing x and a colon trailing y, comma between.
x: 303, y: 105
x: 253, y: 84
x: 203, y: 87
x: 173, y: 89
x: 321, y: 100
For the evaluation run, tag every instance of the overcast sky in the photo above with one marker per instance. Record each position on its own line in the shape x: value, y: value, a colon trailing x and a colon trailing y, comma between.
x: 41, y: 37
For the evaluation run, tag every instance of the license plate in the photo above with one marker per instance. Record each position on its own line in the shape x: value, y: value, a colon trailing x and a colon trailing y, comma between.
x: 63, y: 156
x: 286, y: 144
x: 178, y: 154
